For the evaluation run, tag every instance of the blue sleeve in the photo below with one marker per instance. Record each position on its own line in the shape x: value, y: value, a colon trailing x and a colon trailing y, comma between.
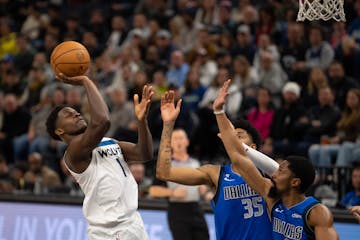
x: 346, y: 199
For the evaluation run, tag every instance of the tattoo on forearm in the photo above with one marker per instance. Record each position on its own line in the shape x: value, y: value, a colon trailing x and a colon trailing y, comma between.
x: 164, y: 159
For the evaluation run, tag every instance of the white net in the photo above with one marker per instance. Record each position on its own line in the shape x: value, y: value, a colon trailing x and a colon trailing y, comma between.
x: 321, y: 9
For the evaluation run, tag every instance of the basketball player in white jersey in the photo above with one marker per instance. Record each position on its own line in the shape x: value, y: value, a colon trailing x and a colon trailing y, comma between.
x: 99, y: 164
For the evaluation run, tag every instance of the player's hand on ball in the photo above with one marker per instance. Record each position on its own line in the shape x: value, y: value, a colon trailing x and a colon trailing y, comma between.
x: 78, y: 80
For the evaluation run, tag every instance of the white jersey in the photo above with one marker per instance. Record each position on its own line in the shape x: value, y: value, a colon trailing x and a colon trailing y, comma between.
x: 111, y: 195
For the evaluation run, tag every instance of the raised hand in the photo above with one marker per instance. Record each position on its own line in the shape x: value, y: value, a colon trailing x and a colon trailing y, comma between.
x: 220, y: 100
x: 78, y: 80
x: 142, y: 107
x: 168, y: 110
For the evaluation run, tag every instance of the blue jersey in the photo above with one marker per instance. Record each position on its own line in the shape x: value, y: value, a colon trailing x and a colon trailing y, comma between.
x: 240, y: 213
x: 291, y: 223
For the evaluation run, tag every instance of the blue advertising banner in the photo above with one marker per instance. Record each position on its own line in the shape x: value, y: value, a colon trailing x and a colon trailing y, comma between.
x: 33, y: 221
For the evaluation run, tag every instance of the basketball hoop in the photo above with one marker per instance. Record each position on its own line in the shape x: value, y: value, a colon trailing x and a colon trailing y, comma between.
x: 321, y: 10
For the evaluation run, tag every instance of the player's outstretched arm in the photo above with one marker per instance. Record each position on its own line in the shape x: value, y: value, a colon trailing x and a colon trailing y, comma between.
x: 143, y: 150
x: 321, y: 219
x: 164, y: 170
x: 81, y: 147
x: 239, y: 159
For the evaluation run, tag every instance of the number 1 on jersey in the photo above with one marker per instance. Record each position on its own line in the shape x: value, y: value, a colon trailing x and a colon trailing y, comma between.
x: 118, y: 161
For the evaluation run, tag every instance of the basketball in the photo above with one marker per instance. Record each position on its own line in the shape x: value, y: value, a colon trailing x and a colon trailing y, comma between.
x: 70, y: 58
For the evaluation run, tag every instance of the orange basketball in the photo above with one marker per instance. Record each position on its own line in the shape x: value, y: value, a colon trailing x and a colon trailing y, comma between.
x: 70, y: 58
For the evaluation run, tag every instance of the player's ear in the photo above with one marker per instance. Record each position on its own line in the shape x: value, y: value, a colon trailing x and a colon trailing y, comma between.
x: 295, y: 182
x: 59, y: 131
x: 219, y: 135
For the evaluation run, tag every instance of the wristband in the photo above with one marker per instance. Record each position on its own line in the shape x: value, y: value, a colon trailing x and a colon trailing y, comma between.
x: 219, y: 112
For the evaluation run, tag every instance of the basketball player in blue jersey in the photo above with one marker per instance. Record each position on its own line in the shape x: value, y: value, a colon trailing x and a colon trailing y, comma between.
x: 293, y: 215
x: 99, y: 164
x: 238, y: 210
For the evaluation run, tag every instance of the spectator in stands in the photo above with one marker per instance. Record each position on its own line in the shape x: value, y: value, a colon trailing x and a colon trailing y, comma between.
x: 244, y: 43
x: 338, y: 34
x: 240, y: 12
x: 178, y: 69
x: 206, y: 67
x: 7, y: 38
x: 17, y: 173
x: 15, y: 123
x: 348, y: 130
x: 165, y: 46
x: 23, y: 60
x: 354, y: 26
x: 36, y: 80
x: 266, y: 23
x: 144, y: 182
x: 69, y: 183
x: 73, y: 29
x: 261, y: 116
x: 223, y: 58
x: 35, y: 20
x: 265, y: 45
x: 92, y: 43
x: 193, y: 90
x: 320, y: 120
x: 235, y: 96
x: 140, y: 79
x: 207, y: 14
x: 225, y: 20
x: 317, y: 79
x: 340, y: 82
x: 51, y: 40
x: 246, y: 78
x: 96, y: 23
x: 185, y: 217
x: 35, y: 139
x: 159, y: 83
x: 293, y: 52
x: 140, y: 21
x: 40, y: 60
x: 12, y: 83
x: 5, y: 184
x: 40, y: 174
x: 122, y: 116
x: 353, y: 198
x: 348, y: 53
x: 73, y: 98
x: 271, y: 75
x: 117, y: 34
x: 319, y: 53
x: 285, y: 129
x: 4, y: 169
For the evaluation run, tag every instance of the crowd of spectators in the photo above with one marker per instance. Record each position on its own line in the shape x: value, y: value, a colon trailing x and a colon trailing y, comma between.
x: 297, y: 82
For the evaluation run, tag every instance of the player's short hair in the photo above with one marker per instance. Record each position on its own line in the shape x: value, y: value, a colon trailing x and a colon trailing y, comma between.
x: 251, y: 130
x: 303, y: 169
x: 51, y: 122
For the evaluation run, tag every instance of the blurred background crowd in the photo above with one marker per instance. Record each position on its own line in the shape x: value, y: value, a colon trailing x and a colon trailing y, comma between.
x: 296, y: 82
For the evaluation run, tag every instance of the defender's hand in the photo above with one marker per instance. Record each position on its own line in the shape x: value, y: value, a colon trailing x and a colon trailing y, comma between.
x: 169, y: 112
x: 142, y: 108
x: 220, y: 100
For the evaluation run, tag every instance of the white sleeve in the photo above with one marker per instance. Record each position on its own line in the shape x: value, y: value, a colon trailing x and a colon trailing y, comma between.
x: 261, y: 161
